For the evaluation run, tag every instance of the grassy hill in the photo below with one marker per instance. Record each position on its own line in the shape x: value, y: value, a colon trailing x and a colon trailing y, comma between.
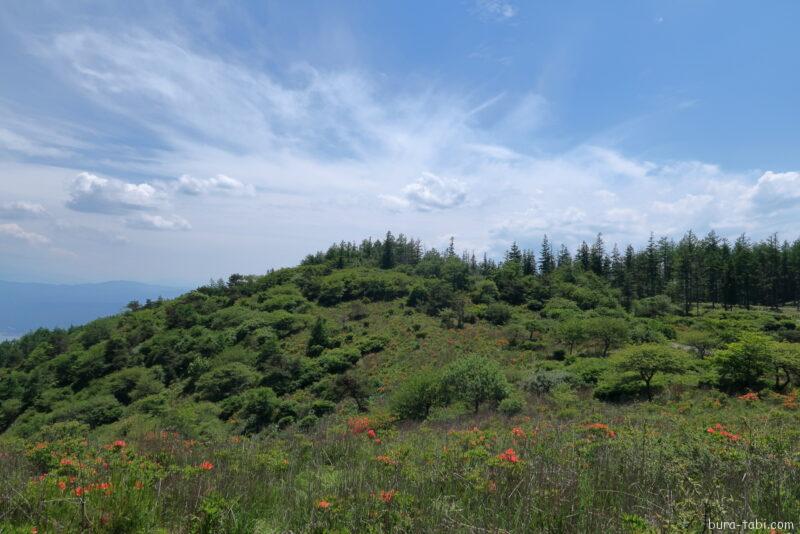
x: 428, y: 395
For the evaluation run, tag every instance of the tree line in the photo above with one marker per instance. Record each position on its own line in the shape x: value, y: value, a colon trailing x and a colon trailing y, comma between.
x: 693, y: 270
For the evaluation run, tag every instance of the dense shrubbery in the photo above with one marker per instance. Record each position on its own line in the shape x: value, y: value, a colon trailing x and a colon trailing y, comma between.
x: 414, y: 337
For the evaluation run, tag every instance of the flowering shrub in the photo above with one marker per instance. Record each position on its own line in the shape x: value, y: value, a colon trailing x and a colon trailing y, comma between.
x: 720, y: 430
x: 602, y: 428
x: 508, y: 456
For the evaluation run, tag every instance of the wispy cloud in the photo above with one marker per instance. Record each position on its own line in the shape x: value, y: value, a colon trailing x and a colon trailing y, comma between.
x: 21, y: 210
x: 497, y: 9
x: 149, y: 221
x: 15, y: 231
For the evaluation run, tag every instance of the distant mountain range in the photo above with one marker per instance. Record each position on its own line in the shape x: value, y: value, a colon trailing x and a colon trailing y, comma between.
x: 27, y: 306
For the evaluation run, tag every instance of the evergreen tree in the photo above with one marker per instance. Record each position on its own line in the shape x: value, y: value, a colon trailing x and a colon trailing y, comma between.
x: 547, y: 262
x: 387, y: 254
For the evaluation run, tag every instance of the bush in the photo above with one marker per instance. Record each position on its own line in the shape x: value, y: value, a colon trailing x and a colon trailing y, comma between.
x: 542, y: 381
x: 655, y: 306
x: 743, y: 364
x: 511, y: 406
x: 474, y: 380
x: 497, y: 313
x: 225, y: 381
x: 416, y: 396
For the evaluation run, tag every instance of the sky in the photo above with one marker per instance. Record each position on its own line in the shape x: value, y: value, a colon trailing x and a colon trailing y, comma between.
x: 170, y: 142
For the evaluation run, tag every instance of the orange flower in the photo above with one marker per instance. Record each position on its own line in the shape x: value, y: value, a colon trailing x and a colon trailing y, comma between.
x: 386, y: 460
x: 518, y: 432
x: 358, y: 425
x: 751, y: 396
x: 387, y: 496
x: 323, y: 505
x: 371, y: 433
x: 65, y: 461
x: 509, y: 456
x: 62, y: 485
x: 138, y: 485
x: 206, y: 465
x: 79, y: 491
x: 120, y: 443
x: 720, y: 429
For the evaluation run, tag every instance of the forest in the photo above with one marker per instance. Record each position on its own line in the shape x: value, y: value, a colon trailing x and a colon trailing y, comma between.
x: 384, y: 387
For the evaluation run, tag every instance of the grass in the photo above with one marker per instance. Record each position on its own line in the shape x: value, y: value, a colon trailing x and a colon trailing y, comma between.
x: 654, y: 467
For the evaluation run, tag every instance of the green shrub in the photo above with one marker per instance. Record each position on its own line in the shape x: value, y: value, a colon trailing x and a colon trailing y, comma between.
x: 511, y: 406
x: 416, y: 395
x: 225, y: 381
x: 474, y: 380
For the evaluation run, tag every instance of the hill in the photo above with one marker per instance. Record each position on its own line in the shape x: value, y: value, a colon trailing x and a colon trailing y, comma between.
x: 28, y: 306
x: 380, y: 387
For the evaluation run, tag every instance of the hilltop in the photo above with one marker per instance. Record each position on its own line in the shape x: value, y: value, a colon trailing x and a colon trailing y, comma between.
x: 465, y: 390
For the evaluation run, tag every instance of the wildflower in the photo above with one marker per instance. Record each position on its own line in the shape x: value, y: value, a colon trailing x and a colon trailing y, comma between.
x: 120, y: 444
x: 65, y: 461
x: 602, y: 426
x: 509, y: 456
x: 371, y: 434
x: 378, y: 441
x: 722, y: 431
x: 323, y: 505
x: 751, y: 396
x: 387, y: 496
x: 386, y: 460
x: 79, y: 491
x: 62, y: 485
x: 138, y: 485
x: 358, y: 425
x: 518, y: 432
x: 206, y: 465
x: 104, y: 485
x: 34, y: 530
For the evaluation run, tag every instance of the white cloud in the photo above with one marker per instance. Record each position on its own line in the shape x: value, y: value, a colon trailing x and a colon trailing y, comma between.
x: 15, y: 231
x: 15, y: 142
x: 430, y: 192
x: 498, y: 9
x: 217, y: 185
x: 21, y: 210
x: 687, y: 205
x: 776, y: 190
x: 149, y: 221
x: 95, y: 194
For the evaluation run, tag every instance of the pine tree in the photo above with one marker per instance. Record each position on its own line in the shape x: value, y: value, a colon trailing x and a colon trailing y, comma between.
x: 547, y: 262
x: 387, y: 254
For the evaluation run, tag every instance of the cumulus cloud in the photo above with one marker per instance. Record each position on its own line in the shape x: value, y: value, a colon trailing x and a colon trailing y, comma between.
x: 15, y: 231
x: 94, y: 194
x: 429, y: 192
x: 776, y: 190
x: 149, y: 221
x: 21, y: 210
x: 217, y: 185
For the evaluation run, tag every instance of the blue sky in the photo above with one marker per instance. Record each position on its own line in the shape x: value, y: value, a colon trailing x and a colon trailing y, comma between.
x: 167, y: 142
